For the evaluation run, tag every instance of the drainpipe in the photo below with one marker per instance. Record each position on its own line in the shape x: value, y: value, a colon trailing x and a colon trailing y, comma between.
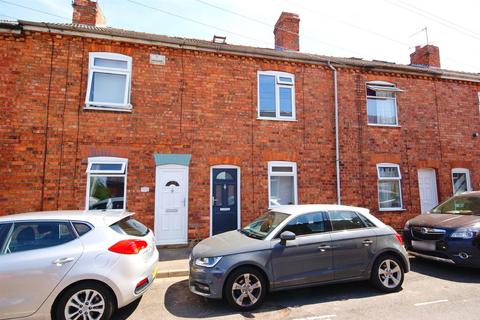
x: 337, y: 146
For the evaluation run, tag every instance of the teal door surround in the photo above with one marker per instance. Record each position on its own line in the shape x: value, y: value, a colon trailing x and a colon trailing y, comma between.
x: 172, y: 158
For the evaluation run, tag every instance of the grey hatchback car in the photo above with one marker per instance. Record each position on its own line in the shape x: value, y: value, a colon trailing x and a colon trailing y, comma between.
x: 298, y: 246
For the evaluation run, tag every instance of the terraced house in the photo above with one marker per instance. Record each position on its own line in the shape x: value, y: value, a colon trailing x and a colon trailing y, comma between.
x: 199, y: 137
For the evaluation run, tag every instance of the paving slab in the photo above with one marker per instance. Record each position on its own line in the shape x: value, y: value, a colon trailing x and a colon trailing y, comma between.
x: 173, y: 262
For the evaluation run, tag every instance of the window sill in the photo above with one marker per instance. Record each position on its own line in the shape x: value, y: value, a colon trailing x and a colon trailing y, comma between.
x: 392, y: 209
x: 126, y: 108
x: 384, y: 125
x: 277, y: 119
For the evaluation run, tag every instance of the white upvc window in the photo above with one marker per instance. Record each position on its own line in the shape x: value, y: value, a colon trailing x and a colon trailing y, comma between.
x: 461, y: 180
x: 106, y: 183
x: 109, y: 81
x: 389, y: 187
x: 382, y: 103
x: 276, y: 95
x: 282, y: 183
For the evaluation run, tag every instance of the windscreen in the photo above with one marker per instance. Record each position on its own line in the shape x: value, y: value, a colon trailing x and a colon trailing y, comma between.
x: 261, y: 227
x: 461, y: 204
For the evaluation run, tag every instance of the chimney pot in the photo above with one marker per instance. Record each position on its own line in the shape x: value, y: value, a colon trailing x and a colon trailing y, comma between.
x: 87, y: 12
x: 287, y: 32
x: 428, y: 55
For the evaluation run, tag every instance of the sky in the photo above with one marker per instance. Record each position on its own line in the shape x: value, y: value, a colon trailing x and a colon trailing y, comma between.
x: 386, y: 30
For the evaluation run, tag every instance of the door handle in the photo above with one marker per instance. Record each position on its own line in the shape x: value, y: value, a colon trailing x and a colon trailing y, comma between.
x: 367, y: 242
x: 324, y: 247
x: 62, y: 261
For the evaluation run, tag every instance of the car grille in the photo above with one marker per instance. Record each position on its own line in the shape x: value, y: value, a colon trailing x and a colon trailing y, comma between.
x: 425, y: 233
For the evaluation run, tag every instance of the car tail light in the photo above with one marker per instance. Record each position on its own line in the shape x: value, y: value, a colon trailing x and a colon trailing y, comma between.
x: 399, y: 237
x: 128, y: 246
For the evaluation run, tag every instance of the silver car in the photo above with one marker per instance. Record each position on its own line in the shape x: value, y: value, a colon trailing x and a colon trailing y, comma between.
x: 73, y: 264
x: 298, y: 246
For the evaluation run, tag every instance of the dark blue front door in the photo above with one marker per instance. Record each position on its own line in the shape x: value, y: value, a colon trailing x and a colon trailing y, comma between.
x: 225, y: 200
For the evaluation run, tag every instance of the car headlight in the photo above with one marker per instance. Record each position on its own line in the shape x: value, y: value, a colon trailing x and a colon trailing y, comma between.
x: 463, y: 233
x: 209, y: 262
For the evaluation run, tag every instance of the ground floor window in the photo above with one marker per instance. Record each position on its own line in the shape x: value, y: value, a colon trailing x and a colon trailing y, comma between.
x: 106, y: 183
x: 461, y: 180
x: 389, y: 187
x: 282, y: 183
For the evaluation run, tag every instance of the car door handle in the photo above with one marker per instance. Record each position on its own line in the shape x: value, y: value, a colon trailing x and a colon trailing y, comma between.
x: 367, y: 242
x: 62, y: 261
x: 324, y: 247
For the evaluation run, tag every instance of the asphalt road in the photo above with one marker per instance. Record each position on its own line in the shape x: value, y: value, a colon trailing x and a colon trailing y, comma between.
x: 430, y: 291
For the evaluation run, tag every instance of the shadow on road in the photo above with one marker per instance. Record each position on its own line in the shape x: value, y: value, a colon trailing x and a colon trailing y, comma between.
x: 126, y: 311
x: 180, y: 302
x: 444, y: 271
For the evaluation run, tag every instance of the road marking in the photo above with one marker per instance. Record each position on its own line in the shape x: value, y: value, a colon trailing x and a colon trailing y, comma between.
x: 429, y: 302
x: 325, y: 317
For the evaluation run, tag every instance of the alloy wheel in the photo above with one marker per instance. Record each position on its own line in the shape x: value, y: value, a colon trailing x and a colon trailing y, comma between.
x: 246, y: 290
x: 390, y: 273
x: 87, y: 304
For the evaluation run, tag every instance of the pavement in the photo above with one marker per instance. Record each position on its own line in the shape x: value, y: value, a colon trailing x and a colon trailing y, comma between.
x: 173, y: 262
x: 430, y: 291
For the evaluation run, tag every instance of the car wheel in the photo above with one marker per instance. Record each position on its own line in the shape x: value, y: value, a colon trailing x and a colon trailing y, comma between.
x: 85, y: 301
x: 387, y: 274
x: 245, y: 289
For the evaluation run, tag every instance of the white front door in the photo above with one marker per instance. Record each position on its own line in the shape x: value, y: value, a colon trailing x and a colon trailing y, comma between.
x: 427, y: 185
x: 171, y: 197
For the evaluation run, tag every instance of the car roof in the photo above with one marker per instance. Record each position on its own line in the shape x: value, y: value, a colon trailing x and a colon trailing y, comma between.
x: 306, y: 208
x: 95, y: 217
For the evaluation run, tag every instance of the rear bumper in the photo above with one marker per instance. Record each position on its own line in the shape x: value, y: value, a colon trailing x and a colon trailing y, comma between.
x: 129, y: 272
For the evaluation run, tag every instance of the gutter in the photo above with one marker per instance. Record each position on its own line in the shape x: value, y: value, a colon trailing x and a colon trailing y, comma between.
x: 337, y: 145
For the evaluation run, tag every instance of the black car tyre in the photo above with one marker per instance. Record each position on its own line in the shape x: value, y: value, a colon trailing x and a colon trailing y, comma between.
x: 87, y: 300
x: 245, y: 288
x: 387, y: 273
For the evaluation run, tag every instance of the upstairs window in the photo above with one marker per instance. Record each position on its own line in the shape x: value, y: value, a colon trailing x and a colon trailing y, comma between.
x: 276, y: 95
x: 382, y: 103
x: 389, y: 187
x: 282, y: 183
x: 461, y: 180
x: 106, y: 183
x: 109, y: 77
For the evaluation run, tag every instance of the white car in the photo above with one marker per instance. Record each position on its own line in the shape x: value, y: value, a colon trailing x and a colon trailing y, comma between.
x: 73, y: 264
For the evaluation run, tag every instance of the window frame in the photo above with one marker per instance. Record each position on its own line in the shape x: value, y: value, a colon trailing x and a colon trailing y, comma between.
x: 467, y: 174
x: 278, y: 84
x: 399, y: 179
x: 293, y: 174
x: 125, y: 106
x: 106, y: 173
x: 393, y: 89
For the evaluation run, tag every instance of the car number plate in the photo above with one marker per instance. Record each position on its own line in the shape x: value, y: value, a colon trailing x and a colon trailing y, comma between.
x: 424, y: 245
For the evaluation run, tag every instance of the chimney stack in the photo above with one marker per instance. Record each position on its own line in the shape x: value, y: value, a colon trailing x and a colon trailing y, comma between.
x: 87, y: 12
x: 287, y: 32
x: 427, y: 55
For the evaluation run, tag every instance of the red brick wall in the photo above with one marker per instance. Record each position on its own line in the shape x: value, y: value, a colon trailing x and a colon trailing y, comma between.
x: 205, y: 104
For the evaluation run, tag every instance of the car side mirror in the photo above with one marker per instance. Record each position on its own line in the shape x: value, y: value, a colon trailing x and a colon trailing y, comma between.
x: 287, y: 236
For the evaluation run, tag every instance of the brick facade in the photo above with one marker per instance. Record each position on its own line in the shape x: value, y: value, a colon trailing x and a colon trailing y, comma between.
x: 205, y: 104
